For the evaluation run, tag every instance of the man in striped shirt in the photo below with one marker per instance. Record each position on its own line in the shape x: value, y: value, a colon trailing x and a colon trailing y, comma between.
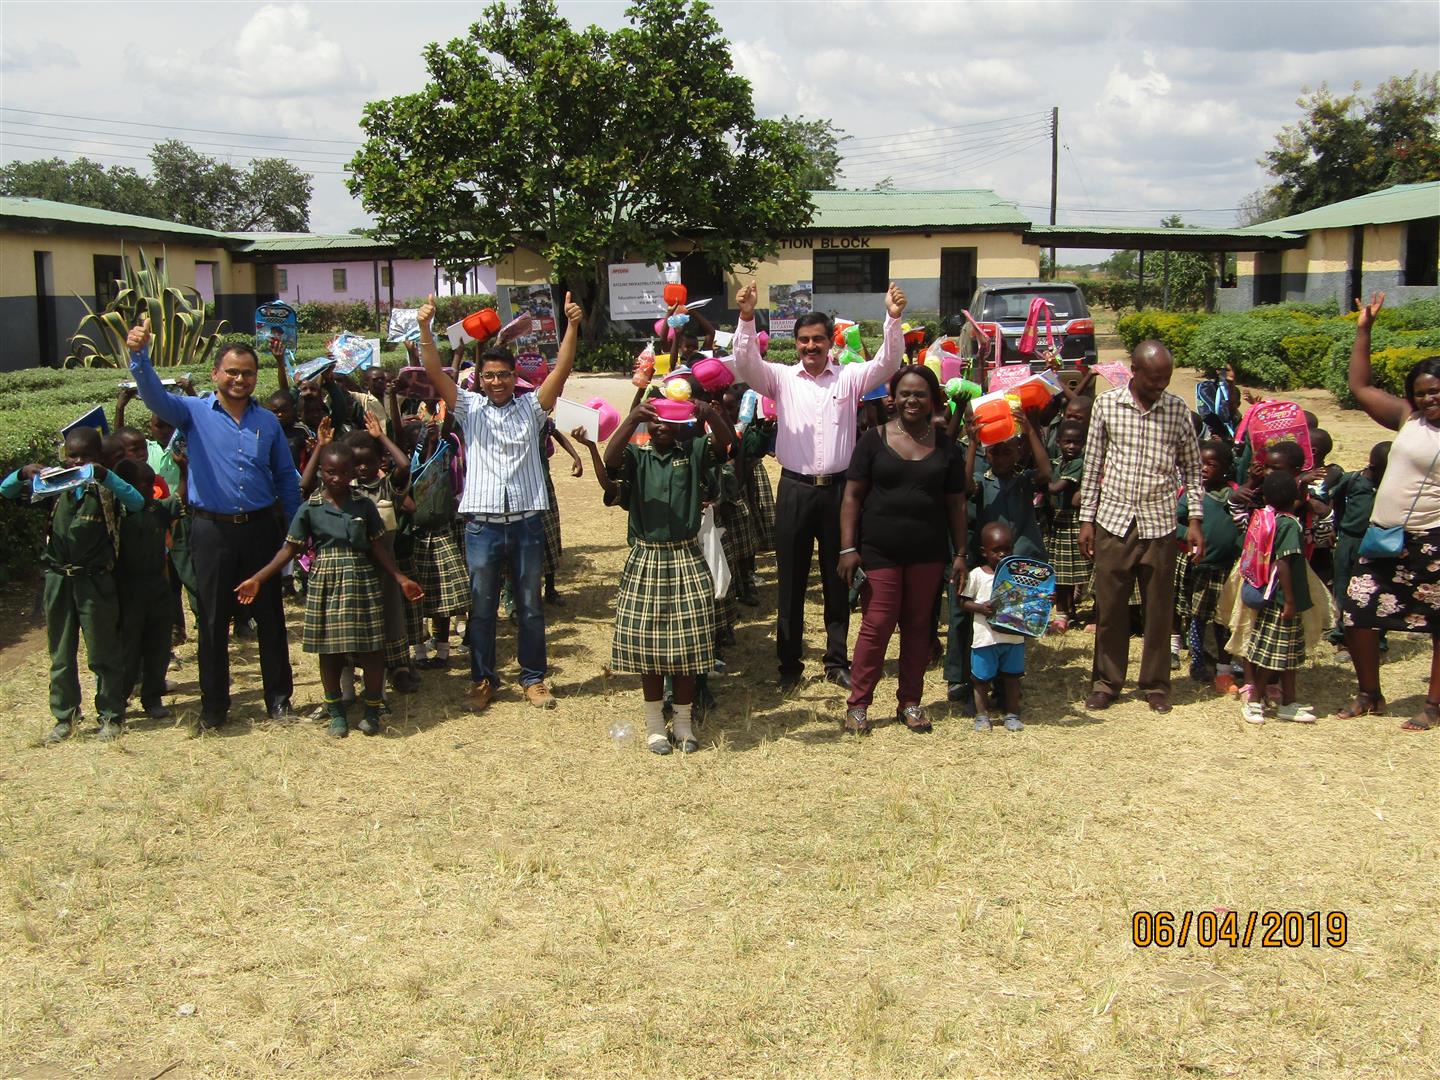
x: 1141, y: 446
x: 504, y: 499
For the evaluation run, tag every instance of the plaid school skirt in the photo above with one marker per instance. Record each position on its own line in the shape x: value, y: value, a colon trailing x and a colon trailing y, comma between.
x: 739, y: 530
x: 1063, y: 544
x: 1202, y: 588
x: 551, y: 519
x: 441, y: 571
x: 761, y: 497
x: 664, y: 612
x: 414, y: 610
x: 1275, y: 643
x: 343, y: 609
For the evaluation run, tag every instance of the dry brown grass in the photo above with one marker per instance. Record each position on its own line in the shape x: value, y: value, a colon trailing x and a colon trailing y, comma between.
x: 510, y: 895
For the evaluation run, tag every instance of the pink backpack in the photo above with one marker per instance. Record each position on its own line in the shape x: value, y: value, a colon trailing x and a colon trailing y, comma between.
x: 1032, y: 325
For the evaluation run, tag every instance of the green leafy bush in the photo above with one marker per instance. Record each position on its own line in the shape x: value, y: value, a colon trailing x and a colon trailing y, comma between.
x: 1252, y: 346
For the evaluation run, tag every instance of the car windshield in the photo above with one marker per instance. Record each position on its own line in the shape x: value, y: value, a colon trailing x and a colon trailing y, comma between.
x: 1015, y: 306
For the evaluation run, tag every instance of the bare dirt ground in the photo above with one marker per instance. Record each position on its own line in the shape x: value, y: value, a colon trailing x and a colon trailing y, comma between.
x: 513, y: 895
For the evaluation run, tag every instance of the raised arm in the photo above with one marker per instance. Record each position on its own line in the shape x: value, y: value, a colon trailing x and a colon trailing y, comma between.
x: 401, y: 472
x: 157, y: 399
x: 644, y: 413
x: 1038, y: 453
x: 876, y: 372
x: 312, y: 463
x: 597, y: 463
x: 548, y: 392
x: 751, y: 367
x: 430, y: 356
x: 282, y: 377
x: 126, y: 393
x: 722, y: 435
x: 1383, y: 407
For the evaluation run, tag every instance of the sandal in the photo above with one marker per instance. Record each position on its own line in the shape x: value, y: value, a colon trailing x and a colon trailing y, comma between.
x: 1364, y: 704
x: 914, y: 718
x: 1059, y: 624
x: 857, y: 721
x: 1425, y: 719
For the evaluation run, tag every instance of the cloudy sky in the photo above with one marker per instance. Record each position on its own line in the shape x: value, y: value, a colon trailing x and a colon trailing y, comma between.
x: 1163, y: 107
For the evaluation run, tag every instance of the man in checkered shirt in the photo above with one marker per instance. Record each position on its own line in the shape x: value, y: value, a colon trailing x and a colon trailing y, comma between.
x: 1141, y: 446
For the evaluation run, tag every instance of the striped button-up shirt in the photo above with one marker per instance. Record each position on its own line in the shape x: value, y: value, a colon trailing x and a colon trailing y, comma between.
x: 504, y: 469
x: 816, y: 413
x: 1135, y: 461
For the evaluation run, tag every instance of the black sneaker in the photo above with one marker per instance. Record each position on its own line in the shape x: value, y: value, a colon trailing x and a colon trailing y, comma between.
x: 59, y: 733
x: 211, y: 721
x: 281, y: 712
x: 788, y: 681
x: 109, y: 731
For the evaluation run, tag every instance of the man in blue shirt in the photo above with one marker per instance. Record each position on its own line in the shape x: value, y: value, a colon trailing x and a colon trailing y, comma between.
x: 241, y: 473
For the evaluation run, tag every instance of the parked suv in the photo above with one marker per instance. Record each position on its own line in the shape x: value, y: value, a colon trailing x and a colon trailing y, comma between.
x: 1007, y: 307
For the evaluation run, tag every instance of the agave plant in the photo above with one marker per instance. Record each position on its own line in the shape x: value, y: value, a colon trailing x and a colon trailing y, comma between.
x: 177, y: 323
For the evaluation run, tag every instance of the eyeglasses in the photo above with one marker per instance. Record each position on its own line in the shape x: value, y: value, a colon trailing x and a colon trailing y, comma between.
x: 496, y: 376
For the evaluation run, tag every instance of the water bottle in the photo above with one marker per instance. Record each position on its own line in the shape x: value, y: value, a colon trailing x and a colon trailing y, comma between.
x: 622, y: 733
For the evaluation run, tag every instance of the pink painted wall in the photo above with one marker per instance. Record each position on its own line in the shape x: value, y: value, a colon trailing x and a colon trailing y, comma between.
x: 307, y: 282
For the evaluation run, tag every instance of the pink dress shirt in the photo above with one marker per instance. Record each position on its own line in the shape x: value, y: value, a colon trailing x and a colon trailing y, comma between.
x: 816, y: 415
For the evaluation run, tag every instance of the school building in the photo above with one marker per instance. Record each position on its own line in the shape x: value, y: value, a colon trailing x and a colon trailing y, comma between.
x: 1387, y: 240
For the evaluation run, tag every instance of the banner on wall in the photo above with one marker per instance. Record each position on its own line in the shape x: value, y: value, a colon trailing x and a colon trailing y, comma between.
x: 539, y: 302
x: 788, y: 303
x: 637, y: 290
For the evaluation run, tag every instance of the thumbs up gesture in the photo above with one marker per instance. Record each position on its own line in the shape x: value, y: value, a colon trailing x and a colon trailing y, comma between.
x: 425, y: 316
x: 574, y: 313
x: 139, y: 336
x: 895, y: 301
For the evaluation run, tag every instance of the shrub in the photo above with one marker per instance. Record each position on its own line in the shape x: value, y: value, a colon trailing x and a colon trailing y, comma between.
x: 1252, y: 346
x: 1174, y: 328
x: 1307, y: 354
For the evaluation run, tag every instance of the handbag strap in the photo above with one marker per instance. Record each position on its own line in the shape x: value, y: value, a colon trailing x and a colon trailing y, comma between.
x: 1420, y: 488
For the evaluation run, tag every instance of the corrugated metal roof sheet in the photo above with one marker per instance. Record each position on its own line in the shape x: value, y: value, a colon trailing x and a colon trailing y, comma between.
x: 1403, y: 202
x: 69, y: 213
x: 280, y: 242
x: 1148, y: 231
x: 971, y: 207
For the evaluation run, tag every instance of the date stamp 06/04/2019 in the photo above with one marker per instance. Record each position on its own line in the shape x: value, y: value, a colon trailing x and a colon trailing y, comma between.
x: 1239, y: 930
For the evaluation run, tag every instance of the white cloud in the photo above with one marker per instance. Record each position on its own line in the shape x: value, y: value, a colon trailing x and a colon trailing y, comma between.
x: 16, y: 57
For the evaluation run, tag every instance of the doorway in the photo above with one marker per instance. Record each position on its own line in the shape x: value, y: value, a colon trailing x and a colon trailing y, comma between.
x: 957, y: 280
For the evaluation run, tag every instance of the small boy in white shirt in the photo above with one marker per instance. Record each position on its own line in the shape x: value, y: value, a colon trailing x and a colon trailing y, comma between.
x: 993, y: 652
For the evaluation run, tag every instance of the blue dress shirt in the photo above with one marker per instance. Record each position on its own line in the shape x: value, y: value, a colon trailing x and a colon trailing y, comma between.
x: 234, y: 468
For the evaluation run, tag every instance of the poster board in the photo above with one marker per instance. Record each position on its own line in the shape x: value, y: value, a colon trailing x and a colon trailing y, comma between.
x: 788, y: 303
x: 538, y: 301
x: 568, y: 415
x: 637, y: 290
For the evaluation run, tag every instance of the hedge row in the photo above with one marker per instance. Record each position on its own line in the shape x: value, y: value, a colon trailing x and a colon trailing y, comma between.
x: 1290, y: 346
x: 316, y: 317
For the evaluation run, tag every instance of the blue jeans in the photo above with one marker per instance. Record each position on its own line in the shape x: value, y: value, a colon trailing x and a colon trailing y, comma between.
x: 487, y: 548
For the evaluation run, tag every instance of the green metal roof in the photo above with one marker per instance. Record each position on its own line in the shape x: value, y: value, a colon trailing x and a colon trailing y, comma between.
x: 1157, y: 238
x: 45, y: 211
x: 962, y: 208
x: 1403, y: 202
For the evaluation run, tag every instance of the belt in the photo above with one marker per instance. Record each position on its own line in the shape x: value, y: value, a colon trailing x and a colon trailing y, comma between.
x: 78, y: 571
x: 499, y: 519
x: 824, y: 480
x: 230, y: 519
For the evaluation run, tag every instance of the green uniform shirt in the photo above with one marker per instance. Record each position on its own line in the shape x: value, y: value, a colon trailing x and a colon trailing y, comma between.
x: 663, y: 490
x: 1060, y: 469
x: 79, y: 536
x: 162, y: 463
x: 1287, y: 546
x: 1222, y: 536
x: 1354, y: 499
x: 142, y: 543
x: 1011, y: 500
x: 355, y: 524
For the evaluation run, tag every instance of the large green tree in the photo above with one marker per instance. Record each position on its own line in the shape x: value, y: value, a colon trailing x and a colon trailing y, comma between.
x: 1344, y: 146
x: 585, y: 145
x: 819, y: 142
x: 184, y: 186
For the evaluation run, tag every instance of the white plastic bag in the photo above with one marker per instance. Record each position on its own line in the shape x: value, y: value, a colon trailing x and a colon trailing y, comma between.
x: 714, y: 551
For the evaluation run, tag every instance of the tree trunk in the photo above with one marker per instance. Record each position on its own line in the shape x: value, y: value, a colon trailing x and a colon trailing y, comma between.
x: 595, y: 299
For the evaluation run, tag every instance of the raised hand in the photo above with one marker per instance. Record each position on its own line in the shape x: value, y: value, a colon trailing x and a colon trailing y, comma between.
x: 425, y: 316
x: 745, y: 300
x: 325, y: 432
x: 372, y: 425
x: 1369, y: 311
x: 139, y: 336
x: 574, y: 313
x: 895, y: 301
x: 277, y: 348
x: 580, y: 435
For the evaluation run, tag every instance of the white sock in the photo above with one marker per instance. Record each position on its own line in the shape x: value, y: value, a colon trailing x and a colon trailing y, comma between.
x: 655, y: 722
x: 681, y: 722
x: 442, y: 649
x: 1175, y: 643
x: 422, y: 651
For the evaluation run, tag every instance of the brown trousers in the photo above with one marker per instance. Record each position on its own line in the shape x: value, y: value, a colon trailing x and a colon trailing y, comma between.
x: 1119, y: 560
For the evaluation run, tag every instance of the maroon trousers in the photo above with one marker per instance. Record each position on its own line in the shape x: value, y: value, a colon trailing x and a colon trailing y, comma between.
x: 903, y: 596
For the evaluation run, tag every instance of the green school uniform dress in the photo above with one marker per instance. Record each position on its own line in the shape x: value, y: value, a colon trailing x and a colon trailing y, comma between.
x: 665, y: 617
x: 1277, y: 643
x: 343, y: 609
x: 1198, y: 584
x: 146, y: 613
x: 1063, y: 539
x: 440, y: 567
x: 381, y: 492
x: 759, y: 495
x: 1011, y: 500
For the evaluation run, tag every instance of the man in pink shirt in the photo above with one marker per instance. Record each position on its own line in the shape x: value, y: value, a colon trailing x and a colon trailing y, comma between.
x: 815, y: 403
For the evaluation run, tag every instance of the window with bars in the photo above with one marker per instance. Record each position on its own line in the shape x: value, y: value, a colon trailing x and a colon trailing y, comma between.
x: 282, y: 280
x: 866, y: 271
x: 337, y: 279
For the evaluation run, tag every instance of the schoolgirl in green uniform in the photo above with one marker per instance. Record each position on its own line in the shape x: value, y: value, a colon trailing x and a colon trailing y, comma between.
x: 343, y: 610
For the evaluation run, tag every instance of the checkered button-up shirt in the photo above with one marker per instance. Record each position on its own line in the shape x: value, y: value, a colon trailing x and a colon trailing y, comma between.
x: 1134, y: 462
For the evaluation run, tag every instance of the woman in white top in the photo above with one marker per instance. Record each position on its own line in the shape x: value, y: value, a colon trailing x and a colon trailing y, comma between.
x: 1401, y: 593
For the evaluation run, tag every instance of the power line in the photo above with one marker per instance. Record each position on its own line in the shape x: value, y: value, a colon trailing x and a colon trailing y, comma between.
x: 151, y: 139
x: 58, y: 143
x: 955, y: 142
x: 947, y: 169
x: 110, y: 156
x: 952, y: 127
x: 952, y: 160
x: 176, y: 127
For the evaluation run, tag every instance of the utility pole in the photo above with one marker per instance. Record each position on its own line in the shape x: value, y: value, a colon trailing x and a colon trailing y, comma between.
x: 1054, y: 177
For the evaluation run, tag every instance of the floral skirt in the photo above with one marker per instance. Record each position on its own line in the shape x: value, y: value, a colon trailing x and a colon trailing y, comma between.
x: 1398, y: 594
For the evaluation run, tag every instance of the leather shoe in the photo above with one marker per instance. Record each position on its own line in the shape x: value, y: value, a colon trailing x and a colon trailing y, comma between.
x: 839, y: 676
x: 1158, y: 702
x: 538, y: 695
x: 480, y: 695
x: 211, y: 721
x: 1099, y: 701
x: 788, y: 681
x: 281, y: 712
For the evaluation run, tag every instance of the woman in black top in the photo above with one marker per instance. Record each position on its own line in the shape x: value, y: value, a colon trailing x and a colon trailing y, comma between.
x: 903, y: 514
